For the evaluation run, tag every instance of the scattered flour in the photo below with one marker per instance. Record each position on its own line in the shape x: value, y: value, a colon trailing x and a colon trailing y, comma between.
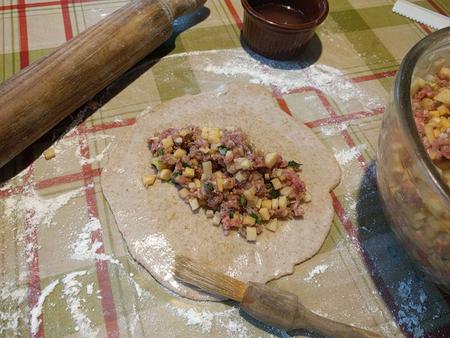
x: 72, y: 288
x: 36, y: 311
x: 157, y: 241
x: 133, y: 320
x: 11, y: 299
x: 43, y: 209
x: 412, y: 307
x: 90, y: 288
x: 229, y: 319
x: 83, y: 248
x: 347, y: 155
x: 333, y: 129
x: 314, y: 272
x: 283, y: 76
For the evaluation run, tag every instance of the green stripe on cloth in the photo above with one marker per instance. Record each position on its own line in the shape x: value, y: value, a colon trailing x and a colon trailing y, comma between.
x: 219, y: 37
x: 382, y: 17
x: 174, y: 77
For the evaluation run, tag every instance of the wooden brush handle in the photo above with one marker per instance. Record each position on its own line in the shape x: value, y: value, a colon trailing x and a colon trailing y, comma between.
x: 43, y: 94
x: 283, y: 310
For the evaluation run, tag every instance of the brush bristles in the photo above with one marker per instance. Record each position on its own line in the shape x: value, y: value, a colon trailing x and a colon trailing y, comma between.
x: 202, y: 277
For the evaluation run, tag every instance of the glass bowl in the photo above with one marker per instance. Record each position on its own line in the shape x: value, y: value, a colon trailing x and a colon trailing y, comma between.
x: 415, y: 198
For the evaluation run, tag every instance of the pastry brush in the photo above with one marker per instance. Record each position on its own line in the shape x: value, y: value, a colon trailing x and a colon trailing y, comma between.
x: 270, y: 305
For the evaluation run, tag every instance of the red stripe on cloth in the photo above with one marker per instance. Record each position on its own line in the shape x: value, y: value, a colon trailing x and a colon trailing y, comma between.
x: 343, y: 118
x: 111, y: 125
x: 34, y: 279
x: 66, y: 19
x: 55, y: 181
x: 23, y: 35
x: 108, y: 305
x: 436, y: 7
x: 23, y: 5
x: 374, y: 76
x: 234, y: 13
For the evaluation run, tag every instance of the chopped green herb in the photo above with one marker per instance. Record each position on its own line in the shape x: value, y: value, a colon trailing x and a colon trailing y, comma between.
x: 294, y: 165
x: 242, y: 200
x: 160, y: 152
x: 185, y: 164
x: 209, y: 186
x: 250, y: 147
x: 256, y: 217
x: 269, y: 186
x: 231, y: 213
x: 274, y: 193
x: 223, y: 150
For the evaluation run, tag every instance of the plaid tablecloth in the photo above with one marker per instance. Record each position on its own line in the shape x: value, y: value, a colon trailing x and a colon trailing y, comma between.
x: 64, y: 268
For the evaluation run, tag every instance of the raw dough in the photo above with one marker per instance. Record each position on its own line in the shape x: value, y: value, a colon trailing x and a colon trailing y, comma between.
x: 156, y: 223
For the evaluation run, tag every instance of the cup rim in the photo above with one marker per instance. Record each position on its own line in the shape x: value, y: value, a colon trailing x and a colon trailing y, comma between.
x: 402, y: 99
x: 292, y: 27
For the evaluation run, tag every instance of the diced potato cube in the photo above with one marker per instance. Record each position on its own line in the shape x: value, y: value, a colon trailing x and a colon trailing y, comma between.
x: 188, y: 172
x: 444, y: 73
x: 214, y: 147
x: 445, y: 123
x: 158, y: 164
x: 179, y: 153
x: 443, y: 96
x: 434, y: 113
x: 307, y: 197
x: 218, y: 173
x: 276, y: 184
x: 178, y: 140
x: 258, y: 203
x: 204, y: 150
x: 193, y: 202
x: 265, y: 215
x: 248, y: 220
x: 266, y: 204
x: 251, y: 234
x: 266, y: 176
x: 282, y: 202
x: 250, y: 194
x: 209, y: 213
x: 242, y: 163
x: 426, y: 103
x: 228, y: 183
x: 148, y: 180
x: 49, y: 154
x: 183, y: 193
x: 286, y: 191
x: 429, y: 132
x: 167, y: 142
x: 192, y: 186
x: 270, y: 159
x: 197, y: 183
x: 207, y: 168
x: 213, y: 138
x: 216, y: 219
x: 205, y: 133
x: 275, y: 203
x: 417, y: 84
x: 240, y: 177
x: 219, y: 183
x: 165, y: 174
x: 443, y: 110
x: 272, y: 225
x: 184, y: 132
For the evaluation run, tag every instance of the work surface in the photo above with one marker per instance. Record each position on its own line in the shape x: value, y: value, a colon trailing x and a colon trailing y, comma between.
x: 64, y: 268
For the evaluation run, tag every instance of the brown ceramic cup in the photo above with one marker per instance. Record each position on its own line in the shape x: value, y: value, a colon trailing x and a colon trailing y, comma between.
x: 280, y: 29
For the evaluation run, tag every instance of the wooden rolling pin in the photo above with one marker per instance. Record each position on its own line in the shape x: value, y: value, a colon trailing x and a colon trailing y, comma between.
x: 43, y: 94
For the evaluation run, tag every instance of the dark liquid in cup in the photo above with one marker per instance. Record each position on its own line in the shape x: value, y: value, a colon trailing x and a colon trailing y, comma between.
x: 281, y: 14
